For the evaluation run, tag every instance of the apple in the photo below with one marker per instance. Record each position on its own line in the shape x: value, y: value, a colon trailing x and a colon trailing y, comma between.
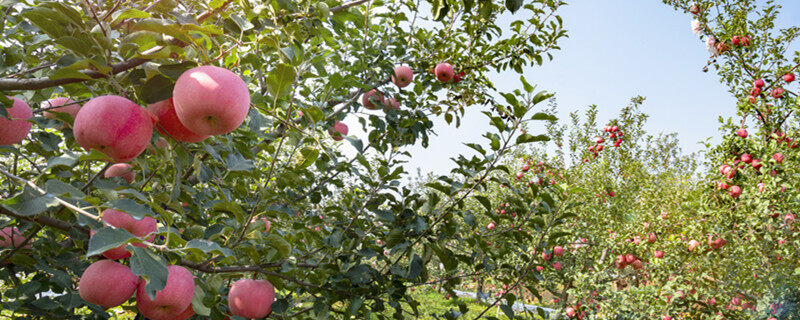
x: 11, y: 237
x: 778, y: 157
x: 652, y: 238
x: 372, y: 100
x: 490, y: 226
x: 186, y: 314
x: 211, y: 100
x: 403, y: 75
x: 139, y: 228
x: 637, y: 264
x: 659, y: 254
x: 444, y: 72
x: 107, y: 283
x: 123, y: 170
x: 168, y: 123
x: 742, y: 133
x: 171, y: 301
x: 339, y: 131
x: 66, y: 106
x: 629, y: 258
x: 558, y: 251
x: 392, y: 103
x: 545, y: 256
x: 746, y: 158
x: 693, y: 244
x: 250, y: 298
x: 570, y: 312
x: 599, y: 140
x: 557, y: 265
x: 15, y: 130
x: 114, y: 126
x: 777, y: 92
x: 735, y: 191
x: 789, y: 77
x: 759, y: 83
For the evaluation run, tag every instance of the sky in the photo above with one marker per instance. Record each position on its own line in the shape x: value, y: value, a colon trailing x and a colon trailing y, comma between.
x: 617, y: 49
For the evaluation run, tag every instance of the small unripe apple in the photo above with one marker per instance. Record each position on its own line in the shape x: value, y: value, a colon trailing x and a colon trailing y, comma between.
x: 403, y: 75
x: 444, y: 72
x: 15, y: 130
x: 372, y: 100
x: 114, y: 126
x: 211, y: 100
x: 107, y: 283
x: 339, y: 131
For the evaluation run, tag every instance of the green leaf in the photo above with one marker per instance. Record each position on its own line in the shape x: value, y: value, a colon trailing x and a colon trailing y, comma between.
x: 544, y: 116
x: 60, y: 188
x: 280, y: 80
x: 440, y: 9
x: 156, y: 89
x: 279, y: 243
x: 74, y: 44
x: 359, y: 274
x: 130, y: 207
x: 527, y: 86
x: 541, y: 96
x: 129, y: 14
x: 107, y: 238
x: 513, y: 5
x: 32, y: 206
x: 507, y: 310
x: 526, y: 138
x: 152, y: 267
x: 67, y: 73
x: 307, y: 157
x: 207, y: 246
x: 485, y: 202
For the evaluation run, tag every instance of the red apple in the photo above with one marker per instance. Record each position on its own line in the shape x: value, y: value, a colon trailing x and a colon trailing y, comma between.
x: 392, y: 103
x: 558, y: 251
x: 339, y: 131
x: 66, y: 106
x: 11, y: 237
x: 570, y: 312
x: 15, y: 130
x: 251, y: 298
x: 211, y: 100
x: 170, y: 302
x: 139, y: 228
x: 789, y: 77
x: 168, y: 123
x: 403, y: 75
x: 444, y: 72
x: 742, y: 132
x: 735, y: 191
x: 659, y: 254
x: 652, y: 238
x: 372, y: 100
x: 759, y: 83
x: 778, y: 157
x: 693, y: 244
x: 114, y: 126
x: 107, y: 283
x: 123, y: 170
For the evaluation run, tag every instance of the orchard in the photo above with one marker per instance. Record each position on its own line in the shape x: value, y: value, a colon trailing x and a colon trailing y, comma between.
x: 175, y: 160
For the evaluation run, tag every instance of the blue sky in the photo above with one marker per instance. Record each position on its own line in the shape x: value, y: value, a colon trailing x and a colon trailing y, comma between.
x: 616, y: 49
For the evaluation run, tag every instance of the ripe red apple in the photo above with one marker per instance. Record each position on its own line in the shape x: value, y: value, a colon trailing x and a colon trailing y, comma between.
x: 15, y: 130
x: 546, y: 256
x: 599, y: 140
x: 170, y: 302
x: 114, y: 126
x: 652, y: 238
x: 250, y: 298
x: 139, y: 228
x: 659, y: 254
x: 558, y: 251
x: 777, y: 92
x: 637, y: 264
x: 67, y: 106
x: 123, y: 170
x: 557, y: 265
x: 211, y: 100
x: 570, y: 312
x: 735, y: 191
x: 666, y: 317
x: 629, y: 258
x: 168, y: 123
x: 742, y: 132
x: 107, y: 283
x: 621, y: 262
x: 392, y: 103
x: 491, y: 226
x: 11, y: 237
x: 693, y: 244
x: 186, y: 314
x: 759, y: 83
x: 339, y: 131
x: 746, y: 158
x: 789, y: 77
x: 444, y: 72
x: 403, y: 75
x: 372, y: 100
x: 778, y: 157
